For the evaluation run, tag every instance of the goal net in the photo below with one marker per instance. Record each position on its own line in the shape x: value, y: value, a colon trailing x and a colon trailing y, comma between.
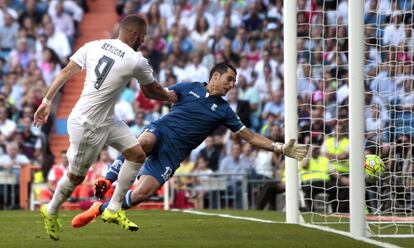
x: 323, y: 92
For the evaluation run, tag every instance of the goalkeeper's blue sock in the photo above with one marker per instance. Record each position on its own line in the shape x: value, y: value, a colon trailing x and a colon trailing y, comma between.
x: 126, y: 203
x: 112, y: 174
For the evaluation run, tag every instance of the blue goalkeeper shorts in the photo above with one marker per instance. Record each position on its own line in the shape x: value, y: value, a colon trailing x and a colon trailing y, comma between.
x: 162, y: 161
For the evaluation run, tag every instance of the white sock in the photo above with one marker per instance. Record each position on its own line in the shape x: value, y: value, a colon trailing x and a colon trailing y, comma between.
x: 64, y: 189
x: 126, y: 178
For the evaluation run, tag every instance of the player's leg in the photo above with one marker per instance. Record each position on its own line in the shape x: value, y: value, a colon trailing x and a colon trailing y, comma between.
x: 134, y: 154
x: 147, y: 140
x: 147, y: 186
x: 83, y: 150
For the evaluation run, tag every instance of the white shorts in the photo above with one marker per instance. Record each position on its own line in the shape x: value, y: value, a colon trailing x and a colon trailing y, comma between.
x: 86, y: 142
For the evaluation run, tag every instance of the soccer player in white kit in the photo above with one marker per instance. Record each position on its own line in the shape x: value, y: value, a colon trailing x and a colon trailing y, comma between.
x: 110, y: 64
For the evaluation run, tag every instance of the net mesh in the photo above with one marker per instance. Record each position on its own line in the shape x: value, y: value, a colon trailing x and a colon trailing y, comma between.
x: 389, y: 119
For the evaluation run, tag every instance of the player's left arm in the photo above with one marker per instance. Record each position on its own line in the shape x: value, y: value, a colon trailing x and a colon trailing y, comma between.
x: 291, y: 149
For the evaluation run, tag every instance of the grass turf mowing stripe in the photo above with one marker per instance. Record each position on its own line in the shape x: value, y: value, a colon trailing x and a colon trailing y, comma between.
x: 366, y: 240
x: 325, y: 229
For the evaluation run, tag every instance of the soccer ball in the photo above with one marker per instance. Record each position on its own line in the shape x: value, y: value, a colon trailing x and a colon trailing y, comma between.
x: 374, y: 166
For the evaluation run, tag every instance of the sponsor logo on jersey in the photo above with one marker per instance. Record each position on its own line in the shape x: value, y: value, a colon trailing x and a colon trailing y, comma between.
x: 194, y: 94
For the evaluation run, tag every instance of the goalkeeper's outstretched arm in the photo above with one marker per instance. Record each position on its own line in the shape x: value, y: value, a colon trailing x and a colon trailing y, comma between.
x: 291, y: 149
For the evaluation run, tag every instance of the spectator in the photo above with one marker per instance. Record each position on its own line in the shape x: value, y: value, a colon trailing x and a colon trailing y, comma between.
x: 216, y: 42
x: 7, y: 126
x: 4, y: 9
x: 59, y: 42
x: 155, y: 19
x: 154, y: 55
x: 124, y: 111
x: 139, y: 125
x: 336, y: 148
x: 305, y: 82
x: 32, y: 9
x: 249, y: 156
x: 233, y: 164
x: 251, y: 94
x: 13, y: 161
x: 228, y: 53
x: 69, y: 6
x: 240, y: 107
x: 394, y: 32
x: 62, y: 21
x: 82, y: 192
x: 202, y: 171
x: 103, y: 163
x: 183, y: 185
x: 245, y: 70
x: 239, y: 43
x: 201, y: 32
x: 212, y: 152
x: 276, y: 106
x: 253, y: 20
x: 406, y: 99
x: 21, y: 56
x: 30, y: 143
x: 315, y: 177
x: 252, y: 51
x: 374, y: 124
x: 8, y: 34
x: 53, y: 177
x: 49, y: 65
x: 196, y: 71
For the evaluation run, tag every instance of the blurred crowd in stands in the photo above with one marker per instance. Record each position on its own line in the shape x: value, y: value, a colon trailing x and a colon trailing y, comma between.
x: 187, y: 37
x: 36, y: 40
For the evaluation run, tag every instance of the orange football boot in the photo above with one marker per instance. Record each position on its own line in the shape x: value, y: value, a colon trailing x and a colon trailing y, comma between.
x: 86, y: 217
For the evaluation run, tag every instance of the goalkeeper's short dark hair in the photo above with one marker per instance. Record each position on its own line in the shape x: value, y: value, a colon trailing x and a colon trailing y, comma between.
x: 221, y: 68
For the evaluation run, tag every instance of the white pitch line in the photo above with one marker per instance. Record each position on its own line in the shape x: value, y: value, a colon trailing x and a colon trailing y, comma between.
x: 322, y: 228
x: 232, y: 217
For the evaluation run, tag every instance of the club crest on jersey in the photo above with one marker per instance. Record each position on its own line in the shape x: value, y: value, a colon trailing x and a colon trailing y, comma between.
x: 214, y: 107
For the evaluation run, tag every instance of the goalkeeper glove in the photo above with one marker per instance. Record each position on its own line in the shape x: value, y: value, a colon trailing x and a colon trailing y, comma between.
x: 291, y: 149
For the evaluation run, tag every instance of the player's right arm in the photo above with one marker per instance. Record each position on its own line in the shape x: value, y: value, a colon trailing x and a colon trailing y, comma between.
x: 42, y: 113
x: 149, y: 85
x: 291, y: 149
x: 155, y: 91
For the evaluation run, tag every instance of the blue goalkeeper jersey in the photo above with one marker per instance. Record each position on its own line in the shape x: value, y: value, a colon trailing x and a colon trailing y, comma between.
x: 195, y: 116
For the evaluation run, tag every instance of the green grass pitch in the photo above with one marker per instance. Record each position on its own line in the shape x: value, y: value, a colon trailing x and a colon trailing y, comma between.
x: 173, y: 229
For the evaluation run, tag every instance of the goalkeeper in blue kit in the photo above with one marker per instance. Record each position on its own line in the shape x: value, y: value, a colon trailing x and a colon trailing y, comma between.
x: 200, y: 109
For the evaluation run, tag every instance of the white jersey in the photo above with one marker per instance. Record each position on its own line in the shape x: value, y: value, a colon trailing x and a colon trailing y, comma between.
x: 110, y: 64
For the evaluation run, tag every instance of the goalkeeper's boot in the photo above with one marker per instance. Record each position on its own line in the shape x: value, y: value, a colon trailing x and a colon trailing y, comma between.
x: 102, y: 185
x: 86, y: 217
x: 52, y: 223
x: 119, y: 218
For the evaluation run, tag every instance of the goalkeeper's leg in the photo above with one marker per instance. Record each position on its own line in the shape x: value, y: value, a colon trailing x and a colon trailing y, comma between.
x: 147, y: 186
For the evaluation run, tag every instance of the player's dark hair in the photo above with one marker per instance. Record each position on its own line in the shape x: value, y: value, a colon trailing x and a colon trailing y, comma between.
x: 132, y: 22
x: 221, y: 68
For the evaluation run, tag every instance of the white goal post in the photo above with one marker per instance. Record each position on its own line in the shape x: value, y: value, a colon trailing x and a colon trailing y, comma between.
x: 356, y: 59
